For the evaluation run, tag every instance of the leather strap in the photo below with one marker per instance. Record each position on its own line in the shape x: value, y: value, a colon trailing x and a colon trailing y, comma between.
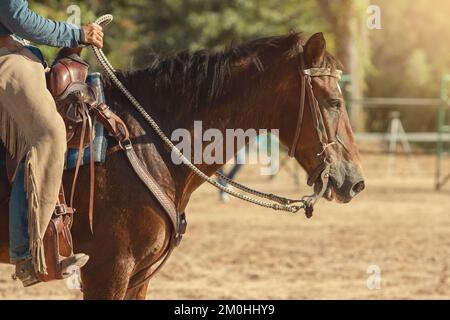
x: 61, y: 206
x: 113, y: 123
x: 86, y: 122
x: 151, y: 184
x: 80, y: 155
x: 301, y: 110
x: 92, y: 173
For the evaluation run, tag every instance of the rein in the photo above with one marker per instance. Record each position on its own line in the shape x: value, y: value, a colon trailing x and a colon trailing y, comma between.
x: 281, y: 203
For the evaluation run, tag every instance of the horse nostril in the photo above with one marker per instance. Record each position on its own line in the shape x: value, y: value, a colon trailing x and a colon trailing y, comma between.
x: 357, y: 188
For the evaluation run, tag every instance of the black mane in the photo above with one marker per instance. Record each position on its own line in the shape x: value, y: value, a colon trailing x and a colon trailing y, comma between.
x: 200, y: 78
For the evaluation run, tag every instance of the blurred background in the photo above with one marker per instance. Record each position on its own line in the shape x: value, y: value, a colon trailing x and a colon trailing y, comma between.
x: 411, y: 48
x: 396, y: 86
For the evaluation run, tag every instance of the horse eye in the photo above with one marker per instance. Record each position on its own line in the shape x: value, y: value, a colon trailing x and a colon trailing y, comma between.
x: 336, y: 103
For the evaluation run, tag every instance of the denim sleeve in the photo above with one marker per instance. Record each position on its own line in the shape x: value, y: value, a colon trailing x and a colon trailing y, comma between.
x: 20, y: 20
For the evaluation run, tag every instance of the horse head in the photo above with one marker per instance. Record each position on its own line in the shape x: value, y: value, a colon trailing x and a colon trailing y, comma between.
x: 316, y: 126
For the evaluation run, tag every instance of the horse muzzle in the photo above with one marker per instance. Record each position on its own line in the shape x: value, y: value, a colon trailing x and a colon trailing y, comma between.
x: 350, y: 189
x: 345, y: 183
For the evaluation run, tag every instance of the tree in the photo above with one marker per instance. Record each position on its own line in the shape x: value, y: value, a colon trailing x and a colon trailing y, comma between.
x: 347, y: 20
x: 171, y: 25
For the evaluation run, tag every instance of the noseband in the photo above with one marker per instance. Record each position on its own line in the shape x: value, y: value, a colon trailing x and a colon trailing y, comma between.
x: 306, y: 89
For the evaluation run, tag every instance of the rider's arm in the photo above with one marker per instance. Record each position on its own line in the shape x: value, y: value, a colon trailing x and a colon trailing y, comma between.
x: 20, y: 20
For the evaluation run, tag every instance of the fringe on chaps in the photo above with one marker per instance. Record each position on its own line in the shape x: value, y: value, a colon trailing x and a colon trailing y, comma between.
x: 31, y: 128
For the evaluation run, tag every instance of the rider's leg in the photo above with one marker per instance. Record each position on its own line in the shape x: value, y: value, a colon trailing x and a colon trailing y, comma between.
x: 234, y: 171
x: 37, y: 131
x: 239, y: 160
x: 19, y: 247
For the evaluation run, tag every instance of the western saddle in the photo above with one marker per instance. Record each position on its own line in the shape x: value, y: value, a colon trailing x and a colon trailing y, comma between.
x: 80, y: 106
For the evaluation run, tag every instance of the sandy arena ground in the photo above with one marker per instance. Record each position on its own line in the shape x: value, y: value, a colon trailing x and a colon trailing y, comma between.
x: 238, y: 251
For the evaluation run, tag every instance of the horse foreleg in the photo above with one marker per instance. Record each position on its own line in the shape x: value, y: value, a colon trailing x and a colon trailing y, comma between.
x: 106, y: 281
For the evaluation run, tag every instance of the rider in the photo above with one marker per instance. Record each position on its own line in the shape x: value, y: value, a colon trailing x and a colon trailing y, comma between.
x: 32, y: 130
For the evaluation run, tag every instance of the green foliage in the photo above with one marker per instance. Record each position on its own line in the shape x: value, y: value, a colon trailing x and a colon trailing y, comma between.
x: 412, y: 50
x: 410, y: 55
x: 165, y: 26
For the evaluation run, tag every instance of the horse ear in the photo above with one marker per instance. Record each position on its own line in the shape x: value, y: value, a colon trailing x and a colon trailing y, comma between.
x: 315, y: 49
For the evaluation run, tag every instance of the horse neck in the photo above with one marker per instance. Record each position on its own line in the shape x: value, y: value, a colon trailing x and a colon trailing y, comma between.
x: 243, y: 107
x: 239, y: 112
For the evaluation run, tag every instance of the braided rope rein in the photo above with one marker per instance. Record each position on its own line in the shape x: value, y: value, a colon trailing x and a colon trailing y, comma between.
x: 282, y: 204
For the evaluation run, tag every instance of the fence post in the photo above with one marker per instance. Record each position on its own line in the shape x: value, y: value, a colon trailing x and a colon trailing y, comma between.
x: 442, y: 127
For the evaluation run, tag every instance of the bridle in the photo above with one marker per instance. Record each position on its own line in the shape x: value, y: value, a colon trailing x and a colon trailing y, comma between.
x: 306, y: 89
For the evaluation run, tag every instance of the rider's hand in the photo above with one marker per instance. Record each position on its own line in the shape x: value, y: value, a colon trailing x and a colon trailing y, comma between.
x: 92, y: 34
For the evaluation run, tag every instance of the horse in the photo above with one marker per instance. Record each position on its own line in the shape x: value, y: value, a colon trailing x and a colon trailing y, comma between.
x: 255, y: 84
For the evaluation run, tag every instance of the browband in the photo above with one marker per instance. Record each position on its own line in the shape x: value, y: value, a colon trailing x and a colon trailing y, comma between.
x: 318, y: 72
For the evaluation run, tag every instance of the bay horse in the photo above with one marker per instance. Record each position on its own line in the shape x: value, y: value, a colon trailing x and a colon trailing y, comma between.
x: 252, y: 85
